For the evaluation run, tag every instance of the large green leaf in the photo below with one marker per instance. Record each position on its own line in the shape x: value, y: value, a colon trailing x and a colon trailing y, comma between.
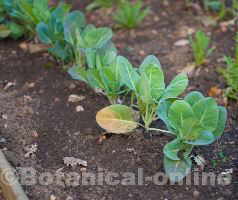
x: 206, y: 111
x: 180, y: 112
x: 155, y: 78
x: 129, y: 75
x: 177, y: 170
x: 221, y: 122
x: 176, y: 87
x: 74, y: 22
x: 204, y: 138
x: 193, y: 97
x: 172, y: 149
x: 117, y: 119
x: 95, y: 37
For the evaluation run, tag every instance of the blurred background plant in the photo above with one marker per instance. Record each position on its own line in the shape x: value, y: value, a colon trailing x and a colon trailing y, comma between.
x: 231, y: 73
x: 130, y: 14
x: 225, y: 9
x: 200, y: 46
x: 8, y: 27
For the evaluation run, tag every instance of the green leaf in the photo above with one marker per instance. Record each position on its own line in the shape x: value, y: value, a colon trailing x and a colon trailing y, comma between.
x: 95, y: 37
x: 176, y: 87
x: 221, y: 122
x: 206, y: 111
x: 179, y: 112
x: 151, y: 84
x: 73, y: 24
x: 177, y: 170
x: 117, y: 119
x: 155, y: 77
x: 128, y: 74
x: 172, y: 149
x: 204, y: 138
x: 78, y: 73
x: 148, y: 61
x: 144, y: 89
x: 162, y: 112
x: 17, y: 30
x: 43, y: 34
x: 193, y: 97
x: 94, y: 79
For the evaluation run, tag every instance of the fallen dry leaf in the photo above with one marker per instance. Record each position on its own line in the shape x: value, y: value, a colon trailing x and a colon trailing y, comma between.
x: 214, y: 91
x: 188, y: 69
x: 33, y: 48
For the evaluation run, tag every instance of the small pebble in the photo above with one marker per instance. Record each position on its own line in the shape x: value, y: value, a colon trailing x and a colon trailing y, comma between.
x: 79, y: 108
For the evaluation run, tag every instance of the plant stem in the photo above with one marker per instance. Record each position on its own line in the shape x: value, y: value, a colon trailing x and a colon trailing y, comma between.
x: 159, y: 130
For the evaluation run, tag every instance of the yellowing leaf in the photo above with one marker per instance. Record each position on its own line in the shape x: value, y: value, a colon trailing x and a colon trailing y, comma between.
x: 117, y: 119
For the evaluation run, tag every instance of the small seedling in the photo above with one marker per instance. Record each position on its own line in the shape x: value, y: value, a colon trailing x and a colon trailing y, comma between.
x: 200, y: 46
x: 130, y: 15
x: 231, y: 74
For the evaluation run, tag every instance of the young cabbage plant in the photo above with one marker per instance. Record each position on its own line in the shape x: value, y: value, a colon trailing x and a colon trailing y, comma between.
x: 200, y: 46
x: 194, y: 121
x: 130, y: 15
x: 8, y: 27
x: 52, y: 33
x: 86, y: 41
x: 29, y: 12
x: 101, y: 72
x: 148, y: 86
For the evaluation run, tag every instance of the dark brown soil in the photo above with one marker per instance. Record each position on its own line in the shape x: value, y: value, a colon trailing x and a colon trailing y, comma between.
x: 38, y: 112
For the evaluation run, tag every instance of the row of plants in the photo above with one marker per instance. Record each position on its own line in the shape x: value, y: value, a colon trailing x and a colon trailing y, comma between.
x: 224, y: 9
x: 138, y: 95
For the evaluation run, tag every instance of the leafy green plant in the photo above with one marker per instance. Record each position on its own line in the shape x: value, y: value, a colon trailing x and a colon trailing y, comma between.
x: 224, y: 9
x: 200, y: 47
x: 101, y: 72
x: 28, y: 12
x: 194, y: 121
x: 130, y: 15
x: 231, y: 74
x: 87, y: 41
x: 9, y: 28
x: 53, y: 32
x: 148, y: 86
